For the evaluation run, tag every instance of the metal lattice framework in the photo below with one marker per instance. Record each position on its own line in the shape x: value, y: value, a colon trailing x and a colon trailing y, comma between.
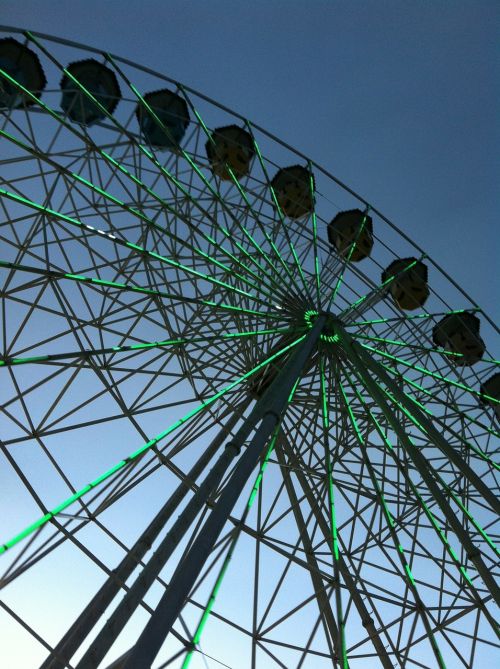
x: 189, y: 376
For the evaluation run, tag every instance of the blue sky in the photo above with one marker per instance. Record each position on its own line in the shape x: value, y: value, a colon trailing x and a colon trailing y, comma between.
x: 396, y: 99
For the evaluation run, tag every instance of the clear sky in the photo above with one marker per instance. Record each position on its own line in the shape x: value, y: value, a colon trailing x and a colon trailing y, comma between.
x: 397, y: 99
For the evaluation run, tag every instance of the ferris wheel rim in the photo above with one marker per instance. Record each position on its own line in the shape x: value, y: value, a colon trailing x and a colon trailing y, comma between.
x: 402, y: 316
x: 271, y: 136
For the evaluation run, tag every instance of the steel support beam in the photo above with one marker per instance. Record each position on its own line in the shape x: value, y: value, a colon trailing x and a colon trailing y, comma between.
x: 74, y: 637
x: 137, y: 591
x: 121, y: 615
x: 434, y: 434
x: 325, y: 610
x: 345, y: 571
x: 363, y: 364
x: 269, y: 410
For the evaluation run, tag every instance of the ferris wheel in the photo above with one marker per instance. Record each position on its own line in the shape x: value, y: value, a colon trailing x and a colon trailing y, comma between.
x: 246, y: 421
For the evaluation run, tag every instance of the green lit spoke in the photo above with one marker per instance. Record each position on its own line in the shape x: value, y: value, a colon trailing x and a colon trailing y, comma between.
x: 432, y: 395
x: 142, y: 148
x: 457, y: 500
x: 347, y: 260
x: 236, y: 535
x: 282, y: 218
x: 143, y: 218
x: 108, y: 158
x: 455, y: 497
x: 419, y: 347
x: 379, y: 291
x: 181, y: 341
x: 408, y: 317
x: 342, y: 648
x: 141, y: 450
x: 427, y: 392
x: 53, y: 274
x: 427, y: 372
x: 315, y: 237
x: 391, y: 526
x: 428, y: 513
x: 135, y: 248
x: 428, y: 428
x: 193, y: 166
x: 243, y: 194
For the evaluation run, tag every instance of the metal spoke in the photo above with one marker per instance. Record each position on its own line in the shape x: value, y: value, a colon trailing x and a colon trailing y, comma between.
x: 152, y: 276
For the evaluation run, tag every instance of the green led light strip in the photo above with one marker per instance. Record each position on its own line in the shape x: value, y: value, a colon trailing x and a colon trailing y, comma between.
x: 363, y: 363
x: 109, y: 158
x: 456, y: 499
x: 407, y: 317
x: 432, y: 395
x: 451, y: 493
x: 380, y: 288
x: 222, y: 572
x: 434, y: 375
x: 136, y: 347
x: 237, y: 532
x: 142, y: 217
x: 214, y: 193
x: 137, y: 453
x: 391, y: 525
x: 309, y: 317
x: 53, y: 274
x: 324, y: 399
x: 408, y: 480
x: 186, y: 156
x: 347, y: 261
x: 135, y: 247
x: 434, y: 522
x: 315, y: 236
x: 396, y: 342
x: 151, y: 112
x: 333, y: 517
x: 280, y: 214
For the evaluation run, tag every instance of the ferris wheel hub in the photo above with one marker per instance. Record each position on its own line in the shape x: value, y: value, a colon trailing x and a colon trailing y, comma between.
x: 328, y: 333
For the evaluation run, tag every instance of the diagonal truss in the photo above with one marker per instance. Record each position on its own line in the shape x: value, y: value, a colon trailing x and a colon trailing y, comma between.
x: 139, y: 291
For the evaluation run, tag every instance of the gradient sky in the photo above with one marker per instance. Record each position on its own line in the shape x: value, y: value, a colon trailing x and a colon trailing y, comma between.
x: 397, y: 99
